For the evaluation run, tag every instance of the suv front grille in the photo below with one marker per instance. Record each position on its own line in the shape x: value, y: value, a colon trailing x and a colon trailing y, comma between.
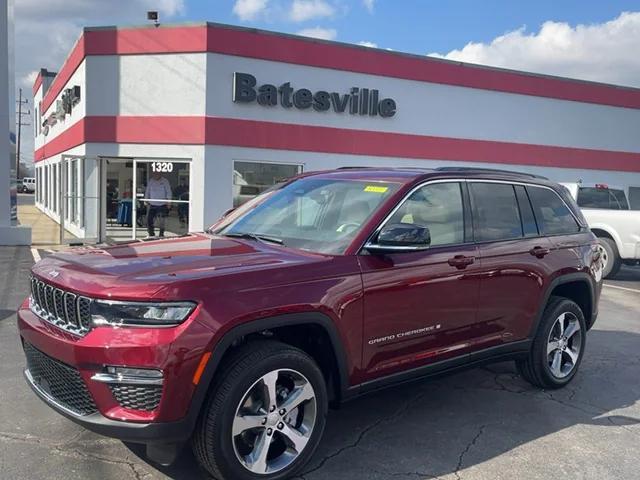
x: 64, y: 309
x: 60, y: 381
x: 137, y: 397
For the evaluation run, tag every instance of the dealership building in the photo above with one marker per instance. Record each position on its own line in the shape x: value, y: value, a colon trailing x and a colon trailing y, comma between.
x: 223, y: 112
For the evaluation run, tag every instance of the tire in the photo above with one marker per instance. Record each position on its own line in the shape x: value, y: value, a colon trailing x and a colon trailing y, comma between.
x: 611, y: 258
x: 541, y: 368
x: 240, y: 389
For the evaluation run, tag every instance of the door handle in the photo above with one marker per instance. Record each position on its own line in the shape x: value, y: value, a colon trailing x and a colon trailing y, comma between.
x: 461, y: 261
x: 539, y: 251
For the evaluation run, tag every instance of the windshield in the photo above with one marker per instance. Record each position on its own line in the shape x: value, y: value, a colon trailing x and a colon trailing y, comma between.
x: 315, y: 214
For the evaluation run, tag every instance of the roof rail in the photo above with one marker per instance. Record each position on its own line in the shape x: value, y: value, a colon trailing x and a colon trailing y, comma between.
x: 488, y: 170
x: 352, y: 167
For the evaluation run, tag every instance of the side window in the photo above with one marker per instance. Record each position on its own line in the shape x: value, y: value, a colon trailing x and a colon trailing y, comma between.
x: 439, y: 208
x: 529, y: 226
x: 553, y: 216
x: 496, y: 211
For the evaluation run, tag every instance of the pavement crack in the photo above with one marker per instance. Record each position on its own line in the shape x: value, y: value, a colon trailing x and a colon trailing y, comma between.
x: 362, y: 435
x: 466, y: 450
x: 63, y: 450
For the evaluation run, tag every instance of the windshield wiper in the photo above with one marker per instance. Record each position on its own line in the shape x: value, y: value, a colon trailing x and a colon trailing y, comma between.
x: 254, y: 236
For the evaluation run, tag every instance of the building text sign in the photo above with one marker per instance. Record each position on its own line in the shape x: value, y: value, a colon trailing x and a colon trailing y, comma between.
x: 359, y: 101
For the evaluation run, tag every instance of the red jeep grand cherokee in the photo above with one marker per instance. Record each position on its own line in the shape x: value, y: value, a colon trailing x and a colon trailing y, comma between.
x: 330, y: 285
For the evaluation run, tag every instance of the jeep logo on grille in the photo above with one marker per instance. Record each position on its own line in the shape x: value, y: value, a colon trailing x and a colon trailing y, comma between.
x: 54, y: 273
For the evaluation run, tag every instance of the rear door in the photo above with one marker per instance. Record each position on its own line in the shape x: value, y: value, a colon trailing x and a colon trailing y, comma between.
x: 515, y: 258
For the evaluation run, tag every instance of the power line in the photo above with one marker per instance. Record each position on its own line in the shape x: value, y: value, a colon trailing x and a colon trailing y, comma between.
x: 20, y: 103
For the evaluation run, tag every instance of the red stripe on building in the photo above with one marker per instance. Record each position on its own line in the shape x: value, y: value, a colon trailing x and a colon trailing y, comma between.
x: 306, y: 138
x: 314, y: 53
x: 37, y: 83
x: 164, y: 130
x: 71, y: 137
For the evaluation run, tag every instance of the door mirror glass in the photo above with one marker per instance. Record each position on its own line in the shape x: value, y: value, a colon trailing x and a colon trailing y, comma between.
x: 402, y: 236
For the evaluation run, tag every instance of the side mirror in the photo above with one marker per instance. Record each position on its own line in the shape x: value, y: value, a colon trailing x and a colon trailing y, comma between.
x: 401, y: 237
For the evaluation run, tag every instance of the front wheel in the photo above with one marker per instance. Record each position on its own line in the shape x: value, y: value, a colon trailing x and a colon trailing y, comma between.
x: 558, y: 346
x: 265, y: 416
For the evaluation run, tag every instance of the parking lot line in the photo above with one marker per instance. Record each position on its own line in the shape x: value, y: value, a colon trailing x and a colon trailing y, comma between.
x: 622, y: 288
x: 35, y: 254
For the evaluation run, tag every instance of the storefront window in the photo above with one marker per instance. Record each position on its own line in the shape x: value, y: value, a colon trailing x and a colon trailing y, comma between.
x: 46, y: 186
x: 252, y: 178
x: 73, y: 191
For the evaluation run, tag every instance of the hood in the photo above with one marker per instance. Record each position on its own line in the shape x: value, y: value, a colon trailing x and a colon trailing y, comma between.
x: 140, y: 268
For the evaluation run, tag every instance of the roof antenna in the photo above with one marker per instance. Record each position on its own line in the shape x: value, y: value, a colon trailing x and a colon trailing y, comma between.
x: 153, y: 16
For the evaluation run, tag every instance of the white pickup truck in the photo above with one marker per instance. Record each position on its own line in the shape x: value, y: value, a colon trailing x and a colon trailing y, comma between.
x: 617, y: 228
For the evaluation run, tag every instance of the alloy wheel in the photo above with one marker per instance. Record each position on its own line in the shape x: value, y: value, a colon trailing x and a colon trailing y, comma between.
x: 274, y: 421
x: 564, y: 345
x: 604, y: 256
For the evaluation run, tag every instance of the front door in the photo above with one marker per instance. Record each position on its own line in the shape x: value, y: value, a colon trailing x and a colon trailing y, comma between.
x: 420, y: 306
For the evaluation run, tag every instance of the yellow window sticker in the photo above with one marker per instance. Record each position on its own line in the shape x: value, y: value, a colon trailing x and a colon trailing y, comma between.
x: 375, y: 189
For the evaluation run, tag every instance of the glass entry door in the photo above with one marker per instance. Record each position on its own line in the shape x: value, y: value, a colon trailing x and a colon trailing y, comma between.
x: 162, y: 198
x: 145, y: 198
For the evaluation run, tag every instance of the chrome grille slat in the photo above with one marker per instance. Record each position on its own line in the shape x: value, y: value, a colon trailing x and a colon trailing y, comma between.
x: 64, y: 309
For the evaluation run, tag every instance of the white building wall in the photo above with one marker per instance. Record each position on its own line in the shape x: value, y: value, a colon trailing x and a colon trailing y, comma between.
x: 168, y: 84
x: 201, y: 84
x: 429, y: 108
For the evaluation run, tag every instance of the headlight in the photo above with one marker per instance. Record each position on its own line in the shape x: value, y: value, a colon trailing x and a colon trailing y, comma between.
x: 105, y: 312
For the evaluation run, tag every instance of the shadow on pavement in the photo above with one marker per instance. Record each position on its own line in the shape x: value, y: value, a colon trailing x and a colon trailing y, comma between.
x: 4, y: 313
x: 626, y: 275
x: 439, y: 427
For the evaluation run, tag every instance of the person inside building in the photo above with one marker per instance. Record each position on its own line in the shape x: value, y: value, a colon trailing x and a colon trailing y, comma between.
x: 156, y: 194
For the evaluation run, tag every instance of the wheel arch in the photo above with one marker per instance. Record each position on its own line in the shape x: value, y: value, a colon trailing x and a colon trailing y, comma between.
x: 578, y: 287
x: 264, y: 328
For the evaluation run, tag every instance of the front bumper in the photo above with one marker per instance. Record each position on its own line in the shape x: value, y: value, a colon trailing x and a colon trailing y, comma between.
x: 174, y: 351
x: 138, y: 432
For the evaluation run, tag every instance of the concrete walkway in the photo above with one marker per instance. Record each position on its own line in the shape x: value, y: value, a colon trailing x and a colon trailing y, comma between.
x: 45, y: 233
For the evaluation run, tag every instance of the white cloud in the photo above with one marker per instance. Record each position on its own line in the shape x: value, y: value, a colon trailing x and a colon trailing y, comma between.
x: 303, y: 10
x: 605, y: 52
x: 46, y: 31
x: 368, y: 44
x: 250, y: 9
x: 319, y: 32
x: 369, y: 4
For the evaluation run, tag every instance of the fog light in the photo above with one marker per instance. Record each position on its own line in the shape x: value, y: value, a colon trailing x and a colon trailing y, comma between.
x: 130, y: 376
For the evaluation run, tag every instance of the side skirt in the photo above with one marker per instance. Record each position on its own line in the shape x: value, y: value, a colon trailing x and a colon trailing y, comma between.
x: 511, y: 351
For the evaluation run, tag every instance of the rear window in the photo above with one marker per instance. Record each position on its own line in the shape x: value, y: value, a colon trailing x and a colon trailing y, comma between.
x: 607, y: 198
x: 552, y: 214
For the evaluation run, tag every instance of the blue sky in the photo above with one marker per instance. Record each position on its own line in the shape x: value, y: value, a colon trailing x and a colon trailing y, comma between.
x: 424, y: 26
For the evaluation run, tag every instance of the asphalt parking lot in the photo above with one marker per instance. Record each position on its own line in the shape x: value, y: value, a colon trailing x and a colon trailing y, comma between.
x: 484, y: 423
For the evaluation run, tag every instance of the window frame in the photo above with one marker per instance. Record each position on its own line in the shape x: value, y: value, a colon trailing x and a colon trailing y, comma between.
x: 467, y: 220
x: 469, y: 217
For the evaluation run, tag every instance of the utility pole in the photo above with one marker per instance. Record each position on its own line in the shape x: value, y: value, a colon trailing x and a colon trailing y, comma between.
x: 20, y: 103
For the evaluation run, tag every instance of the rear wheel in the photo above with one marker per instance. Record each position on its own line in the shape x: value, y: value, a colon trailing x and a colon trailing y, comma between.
x: 558, y: 346
x: 611, y: 261
x: 265, y: 416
